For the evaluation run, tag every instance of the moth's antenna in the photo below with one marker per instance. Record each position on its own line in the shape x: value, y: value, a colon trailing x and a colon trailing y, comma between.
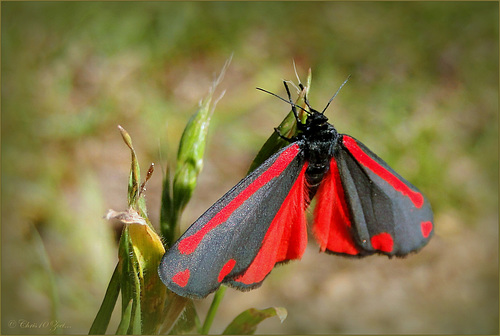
x: 273, y: 94
x: 328, y: 104
x: 283, y: 99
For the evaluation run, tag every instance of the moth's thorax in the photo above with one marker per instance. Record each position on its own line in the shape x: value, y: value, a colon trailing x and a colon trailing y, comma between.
x: 320, y: 143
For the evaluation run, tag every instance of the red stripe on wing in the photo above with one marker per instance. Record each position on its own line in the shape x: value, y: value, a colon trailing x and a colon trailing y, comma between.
x: 382, y: 172
x: 189, y: 244
x: 286, y: 238
x: 332, y: 224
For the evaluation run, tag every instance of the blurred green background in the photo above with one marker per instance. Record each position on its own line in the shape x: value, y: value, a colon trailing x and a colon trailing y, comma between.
x: 423, y: 95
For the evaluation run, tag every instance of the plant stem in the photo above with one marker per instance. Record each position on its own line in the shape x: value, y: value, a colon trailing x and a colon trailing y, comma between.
x: 213, y: 310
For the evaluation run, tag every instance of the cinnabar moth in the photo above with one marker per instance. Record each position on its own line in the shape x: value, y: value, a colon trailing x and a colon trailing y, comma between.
x: 363, y: 207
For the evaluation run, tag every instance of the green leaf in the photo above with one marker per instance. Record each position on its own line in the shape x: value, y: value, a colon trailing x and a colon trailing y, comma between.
x: 101, y: 321
x: 168, y: 225
x: 187, y: 321
x: 246, y: 323
x: 125, y: 321
x: 189, y: 164
x: 135, y: 197
x: 131, y: 284
x: 174, y: 306
x: 140, y: 252
x: 287, y: 129
x: 134, y: 180
x: 147, y: 253
x: 274, y: 143
x: 135, y: 327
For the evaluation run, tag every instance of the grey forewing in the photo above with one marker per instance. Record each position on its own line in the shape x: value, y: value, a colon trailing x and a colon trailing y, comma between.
x: 239, y: 237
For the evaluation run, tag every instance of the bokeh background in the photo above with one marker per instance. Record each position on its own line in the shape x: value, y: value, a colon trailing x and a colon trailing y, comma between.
x: 423, y: 95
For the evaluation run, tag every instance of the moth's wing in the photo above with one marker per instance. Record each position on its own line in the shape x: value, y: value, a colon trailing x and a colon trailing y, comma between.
x: 240, y: 238
x: 381, y: 211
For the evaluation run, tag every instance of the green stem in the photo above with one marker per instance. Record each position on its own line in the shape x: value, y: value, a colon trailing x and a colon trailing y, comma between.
x: 213, y: 310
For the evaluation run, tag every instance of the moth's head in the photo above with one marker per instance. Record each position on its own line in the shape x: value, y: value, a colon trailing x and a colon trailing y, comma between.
x: 316, y: 118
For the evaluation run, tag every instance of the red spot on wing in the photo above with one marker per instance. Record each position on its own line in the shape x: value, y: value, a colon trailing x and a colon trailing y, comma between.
x: 374, y: 166
x: 228, y: 267
x: 189, y: 244
x: 426, y: 228
x: 382, y: 242
x: 181, y: 278
x: 332, y: 224
x: 286, y: 238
